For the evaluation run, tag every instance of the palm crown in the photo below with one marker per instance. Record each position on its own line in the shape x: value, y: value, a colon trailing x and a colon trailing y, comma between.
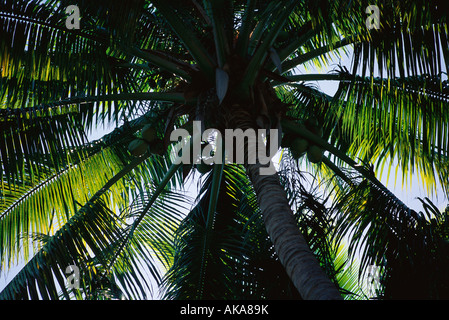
x: 119, y: 217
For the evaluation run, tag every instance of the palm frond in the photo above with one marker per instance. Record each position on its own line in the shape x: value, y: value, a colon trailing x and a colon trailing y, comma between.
x: 309, y: 196
x: 46, y: 195
x: 185, y: 34
x: 98, y: 231
x: 146, y: 250
x: 37, y: 47
x: 387, y: 234
x: 404, y: 118
x: 41, y: 268
x: 51, y: 202
x: 412, y: 41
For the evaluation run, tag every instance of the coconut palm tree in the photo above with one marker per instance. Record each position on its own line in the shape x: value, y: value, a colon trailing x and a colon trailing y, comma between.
x: 112, y: 206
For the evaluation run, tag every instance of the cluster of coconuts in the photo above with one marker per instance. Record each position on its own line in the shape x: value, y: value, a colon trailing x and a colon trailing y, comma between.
x: 148, y: 141
x: 300, y: 146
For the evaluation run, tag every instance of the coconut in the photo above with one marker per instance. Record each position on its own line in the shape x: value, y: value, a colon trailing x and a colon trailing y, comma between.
x: 149, y: 133
x: 203, y: 167
x: 299, y: 147
x: 287, y: 140
x: 138, y: 147
x: 314, y: 154
x: 283, y: 36
x: 157, y: 147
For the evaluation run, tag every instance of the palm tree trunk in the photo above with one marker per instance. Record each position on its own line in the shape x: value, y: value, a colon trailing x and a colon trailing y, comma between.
x: 293, y: 251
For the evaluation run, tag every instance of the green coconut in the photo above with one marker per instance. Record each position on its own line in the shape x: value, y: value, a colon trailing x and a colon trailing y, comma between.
x: 149, y: 133
x: 138, y: 147
x: 299, y: 147
x: 314, y: 154
x: 203, y: 167
x: 157, y: 147
x: 287, y: 140
x: 283, y: 35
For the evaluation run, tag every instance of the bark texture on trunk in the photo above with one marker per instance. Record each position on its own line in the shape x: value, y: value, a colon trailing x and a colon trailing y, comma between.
x: 293, y: 251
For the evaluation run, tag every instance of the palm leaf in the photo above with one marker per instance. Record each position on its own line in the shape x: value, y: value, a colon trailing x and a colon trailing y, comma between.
x: 47, y: 51
x: 97, y: 229
x: 400, y: 117
x: 30, y: 210
x: 384, y: 232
